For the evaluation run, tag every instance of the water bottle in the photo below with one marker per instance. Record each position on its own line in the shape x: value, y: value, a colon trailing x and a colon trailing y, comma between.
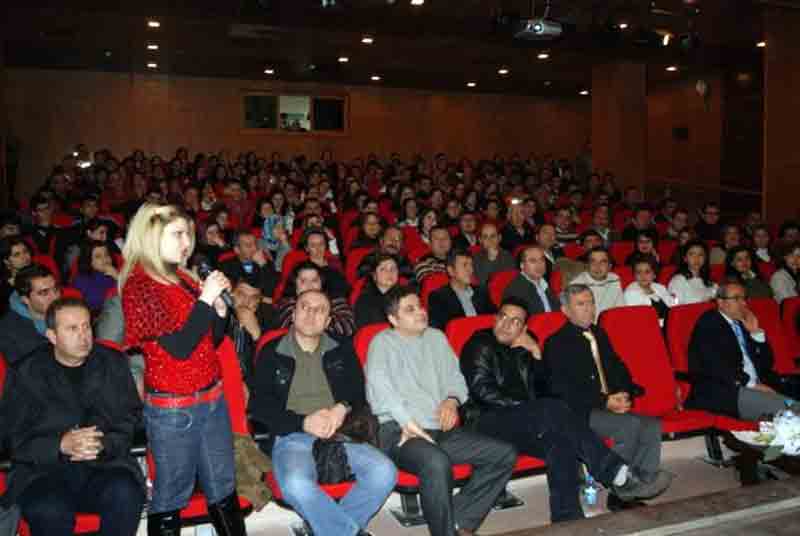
x: 590, y: 490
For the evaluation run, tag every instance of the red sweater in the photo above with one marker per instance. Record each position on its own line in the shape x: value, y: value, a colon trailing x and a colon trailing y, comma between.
x: 153, y: 309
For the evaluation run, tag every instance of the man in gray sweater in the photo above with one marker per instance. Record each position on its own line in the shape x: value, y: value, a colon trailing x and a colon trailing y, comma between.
x: 415, y: 386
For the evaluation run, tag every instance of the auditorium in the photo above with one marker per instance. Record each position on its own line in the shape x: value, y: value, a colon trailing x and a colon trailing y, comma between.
x: 399, y: 268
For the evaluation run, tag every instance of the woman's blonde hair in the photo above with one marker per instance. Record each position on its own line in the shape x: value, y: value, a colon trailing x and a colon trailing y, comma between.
x: 143, y: 241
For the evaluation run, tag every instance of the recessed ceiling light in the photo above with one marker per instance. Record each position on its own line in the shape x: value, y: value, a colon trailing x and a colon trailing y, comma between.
x: 585, y: 92
x: 152, y: 46
x: 269, y: 71
x: 107, y: 53
x: 622, y: 26
x: 666, y: 39
x: 375, y: 78
x: 417, y: 2
x: 367, y: 40
x: 761, y: 44
x: 543, y: 55
x: 548, y: 83
x: 503, y: 71
x: 152, y: 65
x: 471, y: 84
x: 672, y: 68
x: 153, y: 24
x: 343, y: 59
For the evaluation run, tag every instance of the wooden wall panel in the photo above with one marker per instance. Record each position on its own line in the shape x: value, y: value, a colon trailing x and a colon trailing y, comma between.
x: 50, y: 111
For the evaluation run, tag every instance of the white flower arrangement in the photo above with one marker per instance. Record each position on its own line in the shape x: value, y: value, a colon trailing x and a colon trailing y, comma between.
x: 785, y: 434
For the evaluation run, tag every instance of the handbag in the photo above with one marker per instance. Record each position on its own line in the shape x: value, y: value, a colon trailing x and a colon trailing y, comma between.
x: 331, y: 460
x: 330, y: 456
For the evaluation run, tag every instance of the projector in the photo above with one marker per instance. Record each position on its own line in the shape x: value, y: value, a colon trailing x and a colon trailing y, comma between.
x: 538, y: 29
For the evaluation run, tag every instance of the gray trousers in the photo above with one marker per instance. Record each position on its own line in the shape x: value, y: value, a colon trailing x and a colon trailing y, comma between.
x: 9, y: 518
x: 637, y: 439
x: 753, y: 404
x: 492, y: 463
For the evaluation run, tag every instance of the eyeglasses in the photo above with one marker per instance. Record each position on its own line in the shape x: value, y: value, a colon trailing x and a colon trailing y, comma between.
x: 515, y: 321
x: 734, y: 298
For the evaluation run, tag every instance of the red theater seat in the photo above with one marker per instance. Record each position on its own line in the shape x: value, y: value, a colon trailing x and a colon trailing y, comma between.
x: 354, y: 259
x: 498, y: 283
x: 790, y: 309
x: 545, y: 324
x: 459, y: 330
x: 430, y: 283
x: 767, y: 312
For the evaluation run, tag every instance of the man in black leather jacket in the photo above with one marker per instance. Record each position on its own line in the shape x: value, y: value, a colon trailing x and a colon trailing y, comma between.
x: 509, y: 400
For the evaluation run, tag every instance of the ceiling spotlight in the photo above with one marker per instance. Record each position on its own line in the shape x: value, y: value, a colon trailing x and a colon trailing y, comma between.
x: 547, y: 83
x: 471, y: 84
x: 269, y: 71
x: 761, y: 44
x: 666, y: 39
x: 367, y: 40
x: 152, y: 65
x: 503, y: 71
x: 543, y: 55
x: 107, y: 53
x: 343, y: 59
x: 417, y: 2
x: 152, y: 46
x: 375, y: 78
x: 584, y: 92
x: 672, y: 68
x: 622, y: 25
x: 153, y: 24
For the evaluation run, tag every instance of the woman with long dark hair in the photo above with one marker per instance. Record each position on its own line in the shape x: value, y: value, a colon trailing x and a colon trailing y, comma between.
x: 739, y: 265
x: 178, y: 323
x: 96, y: 274
x: 692, y: 281
x: 15, y: 255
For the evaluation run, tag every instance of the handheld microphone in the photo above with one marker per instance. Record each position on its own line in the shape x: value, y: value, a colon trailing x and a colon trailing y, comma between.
x: 204, y: 270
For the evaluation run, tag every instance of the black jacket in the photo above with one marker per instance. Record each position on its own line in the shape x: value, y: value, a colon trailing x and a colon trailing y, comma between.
x: 265, y: 275
x: 369, y: 307
x: 47, y: 406
x: 444, y: 305
x: 574, y: 376
x: 510, y: 238
x: 716, y: 365
x: 18, y: 337
x: 273, y: 375
x: 499, y: 376
x: 522, y: 289
x: 460, y: 241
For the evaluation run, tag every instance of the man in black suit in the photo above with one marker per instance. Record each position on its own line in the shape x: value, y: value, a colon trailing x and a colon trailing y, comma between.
x: 71, y: 445
x: 467, y: 231
x: 250, y: 260
x: 594, y: 382
x: 530, y: 286
x: 730, y: 360
x: 546, y: 239
x: 459, y: 298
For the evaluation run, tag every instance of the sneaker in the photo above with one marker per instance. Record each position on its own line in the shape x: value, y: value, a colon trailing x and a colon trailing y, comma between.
x: 636, y: 488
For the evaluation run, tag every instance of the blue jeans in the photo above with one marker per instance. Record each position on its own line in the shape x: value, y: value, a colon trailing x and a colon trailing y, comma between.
x: 189, y: 444
x: 296, y: 472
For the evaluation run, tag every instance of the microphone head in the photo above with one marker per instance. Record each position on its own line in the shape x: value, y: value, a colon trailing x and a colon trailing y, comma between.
x: 204, y: 270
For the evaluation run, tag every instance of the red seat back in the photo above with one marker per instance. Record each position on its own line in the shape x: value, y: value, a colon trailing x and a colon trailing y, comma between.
x: 356, y: 290
x: 680, y: 324
x: 556, y: 281
x: 354, y: 259
x: 497, y: 284
x: 48, y: 262
x: 636, y: 336
x: 417, y: 252
x: 766, y: 310
x: 269, y: 336
x: 545, y: 324
x: 363, y: 337
x: 625, y: 274
x: 459, y: 330
x: 349, y: 237
x: 620, y: 251
x: 573, y: 250
x: 666, y: 273
x: 430, y: 283
x: 766, y: 269
x: 717, y: 272
x: 790, y: 308
x: 666, y: 249
x: 233, y: 386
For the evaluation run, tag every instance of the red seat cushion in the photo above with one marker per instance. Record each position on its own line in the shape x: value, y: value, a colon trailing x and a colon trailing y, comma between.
x: 335, y: 491
x: 410, y: 481
x: 689, y: 420
x: 723, y: 422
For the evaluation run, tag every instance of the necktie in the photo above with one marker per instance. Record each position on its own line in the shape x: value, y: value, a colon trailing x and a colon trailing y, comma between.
x: 749, y: 368
x: 597, y: 362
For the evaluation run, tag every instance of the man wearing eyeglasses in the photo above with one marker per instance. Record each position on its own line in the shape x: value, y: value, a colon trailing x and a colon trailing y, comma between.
x: 22, y: 328
x: 730, y: 360
x: 510, y: 400
x: 709, y: 226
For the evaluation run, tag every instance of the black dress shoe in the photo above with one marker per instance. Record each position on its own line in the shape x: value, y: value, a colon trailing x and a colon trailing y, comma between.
x: 615, y: 504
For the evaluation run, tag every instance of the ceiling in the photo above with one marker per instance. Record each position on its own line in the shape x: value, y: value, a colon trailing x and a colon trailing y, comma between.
x: 440, y: 45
